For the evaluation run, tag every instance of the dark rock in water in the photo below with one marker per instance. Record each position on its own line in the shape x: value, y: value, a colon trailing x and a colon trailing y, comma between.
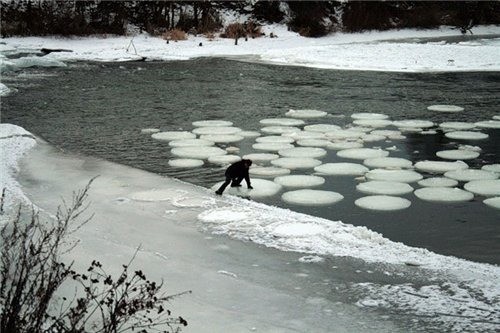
x: 46, y: 51
x: 201, y: 44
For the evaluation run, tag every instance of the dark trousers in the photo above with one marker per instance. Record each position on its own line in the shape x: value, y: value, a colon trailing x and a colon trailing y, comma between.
x: 235, y: 182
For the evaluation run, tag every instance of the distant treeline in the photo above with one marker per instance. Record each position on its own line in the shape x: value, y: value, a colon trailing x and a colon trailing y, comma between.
x: 309, y: 18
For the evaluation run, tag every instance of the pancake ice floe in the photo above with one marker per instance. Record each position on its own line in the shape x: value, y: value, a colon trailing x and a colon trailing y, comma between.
x: 307, y: 197
x: 438, y: 182
x: 445, y: 108
x: 341, y: 169
x: 384, y: 187
x: 185, y: 163
x: 305, y: 113
x: 201, y: 152
x: 293, y: 163
x: 382, y: 203
x: 443, y: 194
x: 401, y: 176
x: 299, y: 181
x: 362, y: 153
x: 173, y: 135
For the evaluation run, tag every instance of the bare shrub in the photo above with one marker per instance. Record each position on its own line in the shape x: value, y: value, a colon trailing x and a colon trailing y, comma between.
x: 234, y: 31
x: 175, y: 35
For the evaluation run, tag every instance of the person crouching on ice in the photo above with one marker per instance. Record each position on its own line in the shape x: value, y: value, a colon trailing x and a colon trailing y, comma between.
x: 235, y: 174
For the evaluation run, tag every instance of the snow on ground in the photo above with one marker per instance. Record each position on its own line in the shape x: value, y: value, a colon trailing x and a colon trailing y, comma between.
x: 400, y: 50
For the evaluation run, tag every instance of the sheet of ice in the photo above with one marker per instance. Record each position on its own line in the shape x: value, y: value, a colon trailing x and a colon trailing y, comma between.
x: 305, y: 135
x: 362, y: 153
x: 185, y: 163
x: 402, y: 176
x: 413, y: 123
x: 344, y: 134
x: 224, y: 159
x: 323, y: 128
x: 173, y: 135
x: 221, y: 138
x: 201, y: 152
x: 271, y: 146
x: 492, y: 202
x: 438, y: 182
x: 306, y: 113
x: 491, y: 167
x: 445, y: 108
x: 488, y: 124
x: 369, y: 116
x: 466, y: 135
x: 249, y: 134
x: 341, y: 169
x: 212, y: 123
x: 372, y: 138
x: 343, y: 145
x: 384, y: 187
x: 279, y: 129
x: 294, y: 163
x: 275, y: 139
x: 311, y: 152
x: 308, y: 197
x: 270, y: 172
x: 192, y: 202
x: 443, y: 194
x: 373, y: 122
x: 209, y: 130
x: 25, y: 62
x: 457, y: 125
x: 163, y: 194
x: 4, y: 90
x: 190, y: 143
x: 388, y: 163
x: 484, y: 187
x: 261, y: 188
x: 261, y: 157
x: 439, y: 166
x: 299, y: 181
x: 466, y: 175
x: 382, y: 203
x: 282, y: 122
x: 313, y: 143
x: 457, y: 154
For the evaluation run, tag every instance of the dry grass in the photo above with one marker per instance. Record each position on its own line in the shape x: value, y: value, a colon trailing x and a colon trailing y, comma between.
x: 175, y: 35
x: 239, y: 30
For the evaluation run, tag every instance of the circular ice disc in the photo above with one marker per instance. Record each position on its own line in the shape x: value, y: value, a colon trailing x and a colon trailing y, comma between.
x: 323, y: 128
x: 209, y: 130
x: 386, y: 133
x: 493, y: 202
x: 190, y: 143
x: 212, y: 123
x: 269, y: 146
x: 198, y: 152
x: 488, y: 124
x: 249, y: 134
x: 261, y: 188
x: 282, y: 122
x: 466, y: 135
x: 372, y: 138
x: 308, y: 197
x: 382, y: 203
x: 439, y: 166
x: 296, y: 163
x: 156, y: 195
x: 484, y: 187
x: 173, y: 135
x: 150, y: 130
x: 383, y: 187
x: 262, y: 157
x: 457, y: 125
x: 268, y: 171
x: 402, y: 176
x: 445, y: 108
x: 224, y: 159
x: 438, y: 182
x: 299, y: 181
x: 467, y: 175
x: 413, y: 123
x: 373, y: 122
x: 491, y: 168
x: 219, y: 138
x: 305, y: 135
x: 344, y: 134
x: 343, y: 145
x: 279, y: 129
x: 185, y: 163
x: 305, y: 113
x: 443, y: 194
x: 388, y: 163
x: 193, y: 202
x: 311, y: 152
x: 274, y: 139
x: 367, y: 115
x: 313, y: 143
x: 457, y: 154
x: 362, y: 153
x: 341, y: 169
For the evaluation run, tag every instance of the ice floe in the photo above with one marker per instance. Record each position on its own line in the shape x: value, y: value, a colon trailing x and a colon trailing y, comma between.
x: 173, y: 135
x: 210, y: 130
x: 299, y: 181
x: 305, y: 113
x: 282, y: 122
x: 438, y: 182
x: 372, y: 138
x: 249, y: 134
x: 312, y: 152
x: 488, y: 124
x: 25, y: 62
x: 362, y: 153
x: 4, y: 90
x: 149, y: 130
x: 493, y: 202
x: 343, y: 145
x: 212, y: 123
x: 439, y: 166
x: 402, y: 176
x: 293, y: 163
x: 201, y: 153
x: 271, y: 146
x: 386, y: 133
x: 382, y: 203
x: 373, y: 122
x: 224, y: 159
x: 305, y: 135
x: 279, y: 129
x: 384, y: 187
x: 484, y: 187
x: 344, y: 134
x: 261, y: 157
x: 466, y: 175
x: 413, y: 123
x: 388, y: 163
x: 369, y: 116
x: 323, y: 128
x: 457, y: 125
x: 466, y: 135
x: 443, y: 194
x: 185, y: 163
x: 445, y: 108
x: 341, y: 169
x: 308, y: 197
x: 313, y: 143
x: 190, y: 143
x: 457, y: 154
x: 221, y: 138
x: 261, y: 188
x: 491, y: 167
x: 268, y: 171
x: 275, y: 139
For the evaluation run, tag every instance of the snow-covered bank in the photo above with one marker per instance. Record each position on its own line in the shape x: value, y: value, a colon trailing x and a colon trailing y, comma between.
x: 404, y: 51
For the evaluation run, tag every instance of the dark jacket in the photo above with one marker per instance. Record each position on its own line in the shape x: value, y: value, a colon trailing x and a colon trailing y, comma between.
x: 239, y: 170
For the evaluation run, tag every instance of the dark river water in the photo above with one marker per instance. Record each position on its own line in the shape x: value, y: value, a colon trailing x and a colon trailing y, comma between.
x: 99, y: 109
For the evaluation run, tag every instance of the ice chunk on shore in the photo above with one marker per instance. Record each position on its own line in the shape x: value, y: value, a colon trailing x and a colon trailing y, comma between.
x: 370, y: 116
x: 484, y: 187
x: 493, y: 202
x: 271, y: 146
x: 322, y: 128
x: 268, y: 171
x: 212, y: 123
x: 445, y: 108
x: 192, y: 202
x: 34, y: 61
x: 341, y: 169
x: 274, y: 139
x: 261, y: 188
x: 466, y: 175
x: 438, y: 182
x: 224, y: 159
x: 282, y: 122
x: 293, y: 163
x: 384, y: 187
x: 457, y: 154
x: 388, y: 163
x: 305, y: 113
x: 201, y: 153
x: 261, y: 157
x: 443, y: 194
x: 402, y: 176
x: 210, y: 130
x: 185, y: 163
x: 440, y: 166
x: 299, y: 181
x: 362, y: 153
x: 190, y: 143
x: 173, y: 135
x: 488, y: 124
x: 221, y: 215
x: 466, y: 135
x: 297, y: 229
x: 382, y: 203
x: 308, y: 197
x: 311, y: 152
x: 4, y: 90
x: 221, y: 138
x: 279, y: 129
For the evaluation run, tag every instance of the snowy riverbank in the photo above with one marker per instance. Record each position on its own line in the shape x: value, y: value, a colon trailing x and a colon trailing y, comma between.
x: 401, y: 50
